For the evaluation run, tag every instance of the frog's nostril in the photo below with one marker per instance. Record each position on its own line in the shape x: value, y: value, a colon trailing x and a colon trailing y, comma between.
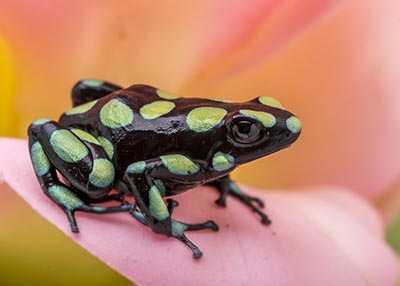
x: 287, y: 134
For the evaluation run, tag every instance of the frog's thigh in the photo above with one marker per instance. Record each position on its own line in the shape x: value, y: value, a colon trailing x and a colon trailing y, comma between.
x: 76, y: 154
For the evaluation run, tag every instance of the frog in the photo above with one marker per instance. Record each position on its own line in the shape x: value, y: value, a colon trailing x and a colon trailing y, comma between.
x: 138, y: 147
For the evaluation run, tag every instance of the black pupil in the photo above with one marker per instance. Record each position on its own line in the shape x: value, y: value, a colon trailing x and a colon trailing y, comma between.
x: 244, y: 127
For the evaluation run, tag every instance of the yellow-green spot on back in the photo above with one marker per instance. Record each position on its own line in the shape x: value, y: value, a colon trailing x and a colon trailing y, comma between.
x: 39, y: 159
x: 116, y: 114
x: 179, y: 164
x: 102, y: 174
x: 267, y: 119
x: 157, y: 207
x: 166, y: 95
x: 202, y: 119
x: 156, y: 109
x: 137, y: 167
x: 293, y: 124
x: 86, y: 136
x: 222, y: 161
x: 270, y: 101
x: 67, y: 146
x: 107, y: 146
x: 41, y: 121
x: 92, y: 82
x: 65, y: 197
x: 81, y: 108
x: 222, y: 100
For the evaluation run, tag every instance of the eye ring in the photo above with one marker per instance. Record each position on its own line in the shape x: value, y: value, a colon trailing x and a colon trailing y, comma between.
x: 245, y: 131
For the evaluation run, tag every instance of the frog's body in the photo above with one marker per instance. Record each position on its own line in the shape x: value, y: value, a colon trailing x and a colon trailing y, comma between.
x: 148, y: 143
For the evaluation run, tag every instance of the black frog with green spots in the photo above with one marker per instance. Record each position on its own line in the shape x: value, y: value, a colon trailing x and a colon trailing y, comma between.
x: 150, y: 144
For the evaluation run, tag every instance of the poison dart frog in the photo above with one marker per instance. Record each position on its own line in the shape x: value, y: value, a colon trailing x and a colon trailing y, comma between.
x: 150, y: 144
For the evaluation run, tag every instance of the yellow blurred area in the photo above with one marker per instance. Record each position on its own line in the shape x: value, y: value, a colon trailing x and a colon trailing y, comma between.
x: 8, y: 89
x: 34, y: 252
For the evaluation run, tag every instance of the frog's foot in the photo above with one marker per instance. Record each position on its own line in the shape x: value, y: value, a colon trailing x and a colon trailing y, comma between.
x: 227, y: 187
x: 75, y: 204
x: 178, y: 228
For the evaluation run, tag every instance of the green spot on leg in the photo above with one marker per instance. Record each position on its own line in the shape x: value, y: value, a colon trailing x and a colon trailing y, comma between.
x: 137, y: 167
x: 293, y: 124
x: 86, y: 136
x: 102, y: 174
x: 178, y: 228
x: 235, y: 188
x: 107, y: 146
x: 156, y: 109
x: 81, y: 108
x: 161, y: 187
x: 65, y: 197
x: 116, y: 114
x: 179, y: 164
x: 267, y: 119
x: 157, y: 207
x: 67, y: 146
x: 166, y: 95
x: 222, y: 161
x: 39, y: 159
x: 202, y: 119
x: 92, y: 82
x: 41, y: 121
x: 270, y: 101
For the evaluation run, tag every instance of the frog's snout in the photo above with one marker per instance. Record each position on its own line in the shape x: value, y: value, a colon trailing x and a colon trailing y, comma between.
x: 293, y: 126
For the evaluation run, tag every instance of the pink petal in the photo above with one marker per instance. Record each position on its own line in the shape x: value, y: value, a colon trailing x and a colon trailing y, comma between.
x: 311, y: 241
x: 342, y: 80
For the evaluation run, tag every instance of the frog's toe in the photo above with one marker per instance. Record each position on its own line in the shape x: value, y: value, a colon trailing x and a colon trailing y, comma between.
x: 172, y: 204
x: 221, y: 201
x: 195, y: 250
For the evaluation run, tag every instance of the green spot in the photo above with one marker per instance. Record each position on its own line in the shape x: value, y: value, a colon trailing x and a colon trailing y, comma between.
x: 157, y: 207
x: 102, y: 174
x: 270, y: 101
x: 83, y: 135
x: 137, y: 167
x: 39, y: 159
x: 202, y: 119
x: 92, y: 82
x: 222, y: 100
x: 166, y: 95
x: 156, y: 109
x: 81, y: 108
x: 178, y: 228
x: 222, y: 161
x: 234, y: 188
x: 116, y: 114
x: 293, y: 124
x: 41, y: 121
x: 107, y: 146
x: 67, y: 146
x: 267, y: 119
x: 160, y: 186
x: 65, y: 197
x: 179, y: 164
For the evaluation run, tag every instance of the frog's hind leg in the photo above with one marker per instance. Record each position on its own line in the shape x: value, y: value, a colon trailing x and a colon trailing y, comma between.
x: 88, y: 90
x: 154, y: 213
x: 82, y: 162
x: 228, y: 187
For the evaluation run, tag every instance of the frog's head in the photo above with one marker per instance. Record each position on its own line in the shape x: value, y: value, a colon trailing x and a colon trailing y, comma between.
x: 258, y: 128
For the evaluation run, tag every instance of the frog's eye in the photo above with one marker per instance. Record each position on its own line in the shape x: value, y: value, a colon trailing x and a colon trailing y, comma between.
x: 245, y: 131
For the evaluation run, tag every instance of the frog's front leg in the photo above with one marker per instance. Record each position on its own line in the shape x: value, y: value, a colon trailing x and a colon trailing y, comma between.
x: 145, y: 179
x: 80, y: 158
x: 228, y: 187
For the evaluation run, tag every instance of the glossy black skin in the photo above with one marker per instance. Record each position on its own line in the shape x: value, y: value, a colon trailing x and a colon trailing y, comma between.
x: 147, y: 140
